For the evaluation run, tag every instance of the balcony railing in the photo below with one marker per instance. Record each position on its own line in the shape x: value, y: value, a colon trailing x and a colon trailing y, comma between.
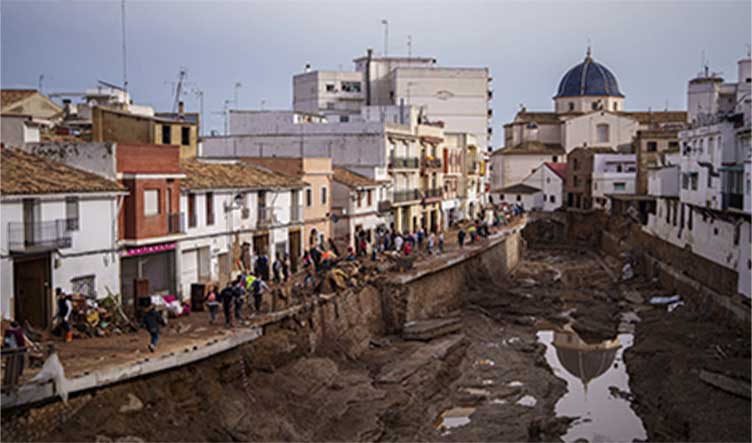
x: 38, y: 236
x: 404, y: 162
x: 296, y: 213
x: 176, y: 223
x: 385, y: 206
x: 431, y: 163
x: 432, y: 193
x: 265, y: 216
x: 735, y: 201
x: 408, y: 195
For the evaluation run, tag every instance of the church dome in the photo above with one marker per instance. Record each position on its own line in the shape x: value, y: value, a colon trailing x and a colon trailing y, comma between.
x: 588, y: 78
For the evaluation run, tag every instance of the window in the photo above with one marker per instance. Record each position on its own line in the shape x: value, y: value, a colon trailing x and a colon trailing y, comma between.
x: 308, y: 198
x: 330, y: 87
x: 689, y: 220
x: 652, y: 146
x: 548, y: 179
x: 715, y: 231
x: 85, y: 285
x: 369, y: 197
x: 693, y: 180
x: 685, y: 181
x: 209, y: 208
x: 602, y: 130
x: 616, y: 106
x: 71, y: 213
x: 358, y: 198
x: 501, y: 197
x: 323, y: 195
x: 620, y: 186
x: 681, y: 217
x: 519, y: 198
x: 619, y: 168
x: 350, y: 86
x: 674, y: 209
x: 576, y: 181
x: 185, y: 136
x: 344, y: 118
x: 668, y: 212
x: 166, y: 135
x: 575, y: 164
x: 191, y: 210
x: 571, y: 106
x: 329, y: 105
x: 245, y: 212
x: 673, y: 145
x: 151, y: 202
x: 555, y: 158
x: 594, y: 106
x: 552, y: 198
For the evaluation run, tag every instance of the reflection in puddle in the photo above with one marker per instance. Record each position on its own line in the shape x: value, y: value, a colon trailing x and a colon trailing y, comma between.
x: 453, y: 418
x: 589, y: 370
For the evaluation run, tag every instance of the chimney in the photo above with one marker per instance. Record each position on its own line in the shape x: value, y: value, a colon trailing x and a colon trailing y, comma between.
x: 181, y: 108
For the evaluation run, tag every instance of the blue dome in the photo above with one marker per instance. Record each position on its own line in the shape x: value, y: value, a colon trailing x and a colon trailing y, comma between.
x: 588, y: 78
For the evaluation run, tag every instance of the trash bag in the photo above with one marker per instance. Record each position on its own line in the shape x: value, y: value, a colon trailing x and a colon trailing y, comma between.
x: 52, y: 370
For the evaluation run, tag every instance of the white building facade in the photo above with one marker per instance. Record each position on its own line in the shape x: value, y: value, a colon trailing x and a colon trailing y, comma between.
x: 613, y: 174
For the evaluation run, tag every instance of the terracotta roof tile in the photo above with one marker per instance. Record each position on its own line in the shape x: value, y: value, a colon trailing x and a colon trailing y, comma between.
x: 10, y: 96
x: 645, y: 117
x: 207, y: 175
x: 23, y: 173
x: 532, y: 147
x: 559, y: 169
x: 352, y: 179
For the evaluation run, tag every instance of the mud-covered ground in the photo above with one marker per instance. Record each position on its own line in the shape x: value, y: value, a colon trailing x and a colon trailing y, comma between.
x: 398, y: 390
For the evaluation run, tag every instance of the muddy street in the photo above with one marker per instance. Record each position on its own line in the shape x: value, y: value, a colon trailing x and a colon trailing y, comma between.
x: 557, y: 350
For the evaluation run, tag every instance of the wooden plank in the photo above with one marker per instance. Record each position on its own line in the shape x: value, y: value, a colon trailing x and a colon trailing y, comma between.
x: 734, y: 386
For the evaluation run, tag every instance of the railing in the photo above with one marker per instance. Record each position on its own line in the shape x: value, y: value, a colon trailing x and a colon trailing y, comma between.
x: 385, y: 206
x: 404, y: 162
x: 176, y: 223
x: 408, y: 195
x: 296, y: 213
x: 38, y: 236
x: 71, y: 224
x: 432, y: 193
x: 432, y: 163
x: 733, y: 200
x: 265, y: 216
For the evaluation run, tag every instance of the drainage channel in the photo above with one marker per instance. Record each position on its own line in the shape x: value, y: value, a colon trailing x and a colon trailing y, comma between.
x: 597, y: 386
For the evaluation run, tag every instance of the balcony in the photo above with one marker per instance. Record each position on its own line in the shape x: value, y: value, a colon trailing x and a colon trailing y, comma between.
x: 472, y: 167
x: 404, y: 163
x: 176, y: 223
x: 733, y: 201
x: 406, y: 196
x: 431, y: 163
x: 265, y: 217
x: 38, y: 236
x: 432, y: 195
x: 296, y: 213
x: 384, y: 206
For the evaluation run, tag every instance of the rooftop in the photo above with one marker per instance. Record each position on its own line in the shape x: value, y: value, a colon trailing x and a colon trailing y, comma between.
x: 22, y: 173
x: 207, y: 175
x: 532, y: 147
x: 559, y: 169
x: 519, y: 188
x: 352, y: 179
x: 10, y: 96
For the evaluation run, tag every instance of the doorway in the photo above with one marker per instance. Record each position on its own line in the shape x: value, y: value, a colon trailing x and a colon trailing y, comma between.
x: 293, y: 238
x: 32, y: 281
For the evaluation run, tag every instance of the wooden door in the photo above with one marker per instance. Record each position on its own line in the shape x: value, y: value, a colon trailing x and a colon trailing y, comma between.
x: 294, y: 242
x: 31, y: 278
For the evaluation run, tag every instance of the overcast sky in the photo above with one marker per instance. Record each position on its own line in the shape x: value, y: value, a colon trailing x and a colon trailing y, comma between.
x: 652, y: 47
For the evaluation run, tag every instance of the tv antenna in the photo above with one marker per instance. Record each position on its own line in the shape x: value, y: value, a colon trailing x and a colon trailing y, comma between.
x: 125, y: 50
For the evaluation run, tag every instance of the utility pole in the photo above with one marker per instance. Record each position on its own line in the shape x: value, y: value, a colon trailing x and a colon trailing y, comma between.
x: 125, y: 51
x: 386, y: 36
x: 227, y: 117
x: 409, y: 47
x: 41, y: 81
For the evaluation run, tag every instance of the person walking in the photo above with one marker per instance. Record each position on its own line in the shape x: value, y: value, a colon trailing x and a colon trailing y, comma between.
x: 64, y: 312
x: 152, y: 321
x: 258, y: 288
x: 431, y: 243
x: 277, y: 269
x: 238, y: 297
x: 286, y: 267
x: 398, y: 243
x: 441, y: 242
x: 227, y: 295
x: 461, y: 237
x: 212, y: 303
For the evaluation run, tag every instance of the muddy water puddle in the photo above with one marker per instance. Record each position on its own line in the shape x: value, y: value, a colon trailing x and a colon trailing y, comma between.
x: 597, y: 384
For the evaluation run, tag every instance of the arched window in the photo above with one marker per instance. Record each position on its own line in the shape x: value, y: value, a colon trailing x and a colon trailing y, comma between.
x: 616, y: 106
x: 602, y: 130
x: 571, y: 106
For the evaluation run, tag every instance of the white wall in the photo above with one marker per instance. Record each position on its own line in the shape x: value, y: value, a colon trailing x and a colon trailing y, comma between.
x: 582, y: 130
x: 93, y: 244
x: 550, y: 183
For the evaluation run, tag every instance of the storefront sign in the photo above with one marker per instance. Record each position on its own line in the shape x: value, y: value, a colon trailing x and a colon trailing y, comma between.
x: 151, y: 249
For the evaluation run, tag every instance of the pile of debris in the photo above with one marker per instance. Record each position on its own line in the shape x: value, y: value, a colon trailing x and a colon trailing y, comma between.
x: 99, y: 318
